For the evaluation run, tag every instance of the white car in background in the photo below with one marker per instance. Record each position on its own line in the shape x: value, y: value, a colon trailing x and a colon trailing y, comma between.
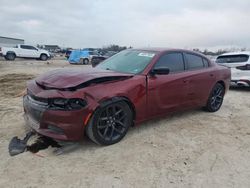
x: 25, y: 51
x: 239, y: 62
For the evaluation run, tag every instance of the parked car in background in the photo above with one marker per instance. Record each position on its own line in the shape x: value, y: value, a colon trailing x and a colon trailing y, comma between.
x: 85, y: 56
x: 110, y: 53
x: 133, y: 86
x: 82, y: 56
x: 96, y: 59
x: 25, y: 51
x: 239, y: 63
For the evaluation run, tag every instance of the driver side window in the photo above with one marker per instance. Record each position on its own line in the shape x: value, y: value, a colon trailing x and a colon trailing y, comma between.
x: 173, y: 61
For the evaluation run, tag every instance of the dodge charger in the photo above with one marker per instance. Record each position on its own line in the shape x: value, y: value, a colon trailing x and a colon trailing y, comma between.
x: 131, y: 87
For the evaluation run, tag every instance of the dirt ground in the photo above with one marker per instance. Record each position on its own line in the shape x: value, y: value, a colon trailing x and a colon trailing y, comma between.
x: 189, y: 149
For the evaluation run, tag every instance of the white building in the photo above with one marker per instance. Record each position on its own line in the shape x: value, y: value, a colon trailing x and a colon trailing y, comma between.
x: 10, y: 42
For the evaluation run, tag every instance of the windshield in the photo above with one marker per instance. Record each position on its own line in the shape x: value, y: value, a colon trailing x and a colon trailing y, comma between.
x: 128, y: 61
x: 232, y: 58
x: 93, y: 52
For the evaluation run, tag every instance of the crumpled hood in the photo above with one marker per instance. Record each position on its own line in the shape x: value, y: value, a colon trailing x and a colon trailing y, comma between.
x: 70, y: 78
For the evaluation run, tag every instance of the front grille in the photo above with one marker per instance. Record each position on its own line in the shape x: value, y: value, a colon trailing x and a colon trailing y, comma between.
x: 34, y: 109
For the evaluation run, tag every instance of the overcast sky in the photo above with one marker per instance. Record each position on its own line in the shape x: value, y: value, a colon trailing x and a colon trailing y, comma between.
x: 138, y: 23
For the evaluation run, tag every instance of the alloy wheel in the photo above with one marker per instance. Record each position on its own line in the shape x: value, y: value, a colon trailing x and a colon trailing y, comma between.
x: 217, y: 97
x: 112, y: 122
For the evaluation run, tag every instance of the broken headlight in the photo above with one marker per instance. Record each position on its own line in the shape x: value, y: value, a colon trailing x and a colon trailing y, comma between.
x: 67, y: 104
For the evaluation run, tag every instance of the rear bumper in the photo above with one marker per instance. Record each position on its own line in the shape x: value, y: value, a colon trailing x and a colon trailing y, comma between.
x: 241, y: 82
x: 240, y: 77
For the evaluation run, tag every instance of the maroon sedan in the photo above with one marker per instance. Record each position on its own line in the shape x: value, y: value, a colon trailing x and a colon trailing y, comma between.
x: 131, y: 87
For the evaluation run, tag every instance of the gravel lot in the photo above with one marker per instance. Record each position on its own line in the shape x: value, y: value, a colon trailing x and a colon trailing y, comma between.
x: 189, y: 149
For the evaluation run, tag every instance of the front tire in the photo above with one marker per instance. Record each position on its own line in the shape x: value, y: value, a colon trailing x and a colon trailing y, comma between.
x: 44, y: 57
x: 215, y: 99
x: 110, y: 123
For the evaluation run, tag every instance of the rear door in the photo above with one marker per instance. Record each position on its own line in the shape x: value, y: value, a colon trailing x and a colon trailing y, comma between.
x: 167, y: 93
x: 23, y: 51
x: 200, y: 79
x: 28, y: 51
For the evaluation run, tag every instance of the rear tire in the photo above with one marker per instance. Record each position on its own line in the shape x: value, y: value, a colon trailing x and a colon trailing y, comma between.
x: 215, y: 99
x: 85, y: 61
x: 44, y: 57
x: 110, y: 123
x: 10, y: 56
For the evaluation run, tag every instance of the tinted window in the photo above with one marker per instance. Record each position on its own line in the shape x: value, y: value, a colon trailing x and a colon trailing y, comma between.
x: 232, y: 58
x: 27, y: 47
x: 194, y: 62
x: 173, y: 61
x: 23, y: 47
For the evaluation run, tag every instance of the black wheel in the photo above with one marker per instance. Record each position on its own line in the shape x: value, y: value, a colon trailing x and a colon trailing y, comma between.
x: 216, y: 97
x: 110, y: 123
x: 44, y: 57
x: 85, y: 61
x: 10, y: 56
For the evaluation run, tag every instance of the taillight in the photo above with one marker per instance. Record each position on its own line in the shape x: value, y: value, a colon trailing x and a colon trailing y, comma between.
x: 244, y: 67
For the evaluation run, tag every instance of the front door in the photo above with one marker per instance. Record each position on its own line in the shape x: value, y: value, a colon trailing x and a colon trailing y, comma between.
x: 167, y: 93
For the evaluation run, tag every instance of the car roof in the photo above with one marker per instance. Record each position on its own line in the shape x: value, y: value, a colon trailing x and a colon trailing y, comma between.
x: 236, y: 53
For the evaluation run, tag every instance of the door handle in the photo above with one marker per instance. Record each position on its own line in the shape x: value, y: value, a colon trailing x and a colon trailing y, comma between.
x: 185, y: 81
x: 212, y: 75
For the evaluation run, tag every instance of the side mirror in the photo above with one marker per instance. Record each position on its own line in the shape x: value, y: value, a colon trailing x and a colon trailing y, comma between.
x: 160, y: 71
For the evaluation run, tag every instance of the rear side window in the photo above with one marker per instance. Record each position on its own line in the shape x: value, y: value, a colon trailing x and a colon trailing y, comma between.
x: 27, y: 47
x: 23, y: 47
x: 194, y: 61
x: 173, y: 61
x: 232, y: 58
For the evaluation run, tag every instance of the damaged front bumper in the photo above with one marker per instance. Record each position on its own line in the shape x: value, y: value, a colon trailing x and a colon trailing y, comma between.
x: 61, y: 125
x: 17, y: 146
